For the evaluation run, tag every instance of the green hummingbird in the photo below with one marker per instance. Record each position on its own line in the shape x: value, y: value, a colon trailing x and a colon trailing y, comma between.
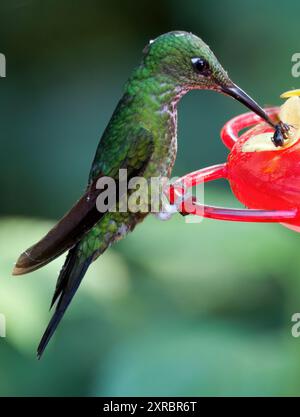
x: 140, y: 137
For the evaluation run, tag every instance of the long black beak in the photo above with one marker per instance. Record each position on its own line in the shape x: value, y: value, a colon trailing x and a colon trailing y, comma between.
x: 238, y: 94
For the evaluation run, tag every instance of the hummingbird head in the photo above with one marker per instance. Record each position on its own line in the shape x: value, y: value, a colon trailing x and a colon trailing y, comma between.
x: 189, y: 64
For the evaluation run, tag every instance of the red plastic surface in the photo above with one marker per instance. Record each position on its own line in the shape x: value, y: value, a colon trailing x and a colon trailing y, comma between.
x: 267, y: 182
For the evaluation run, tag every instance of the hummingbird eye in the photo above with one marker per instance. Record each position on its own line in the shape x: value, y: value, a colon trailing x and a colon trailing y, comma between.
x: 201, y: 66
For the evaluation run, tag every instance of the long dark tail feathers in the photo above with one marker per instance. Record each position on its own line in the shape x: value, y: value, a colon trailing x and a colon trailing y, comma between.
x: 68, y: 282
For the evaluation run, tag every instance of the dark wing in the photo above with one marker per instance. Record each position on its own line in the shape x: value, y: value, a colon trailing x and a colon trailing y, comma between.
x: 84, y: 214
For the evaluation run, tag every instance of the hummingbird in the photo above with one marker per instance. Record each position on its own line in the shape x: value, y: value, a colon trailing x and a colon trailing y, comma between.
x: 140, y: 137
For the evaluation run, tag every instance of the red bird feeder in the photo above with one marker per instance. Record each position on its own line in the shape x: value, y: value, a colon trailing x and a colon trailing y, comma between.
x: 263, y: 177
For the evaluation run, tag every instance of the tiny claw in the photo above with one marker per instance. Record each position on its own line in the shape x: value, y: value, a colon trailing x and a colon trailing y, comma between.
x: 168, y: 211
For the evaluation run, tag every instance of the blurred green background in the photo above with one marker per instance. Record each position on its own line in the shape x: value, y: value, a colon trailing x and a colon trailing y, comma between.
x: 175, y: 309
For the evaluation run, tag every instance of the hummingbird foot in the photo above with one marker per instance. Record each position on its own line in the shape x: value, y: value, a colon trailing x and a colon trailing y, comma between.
x: 168, y: 210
